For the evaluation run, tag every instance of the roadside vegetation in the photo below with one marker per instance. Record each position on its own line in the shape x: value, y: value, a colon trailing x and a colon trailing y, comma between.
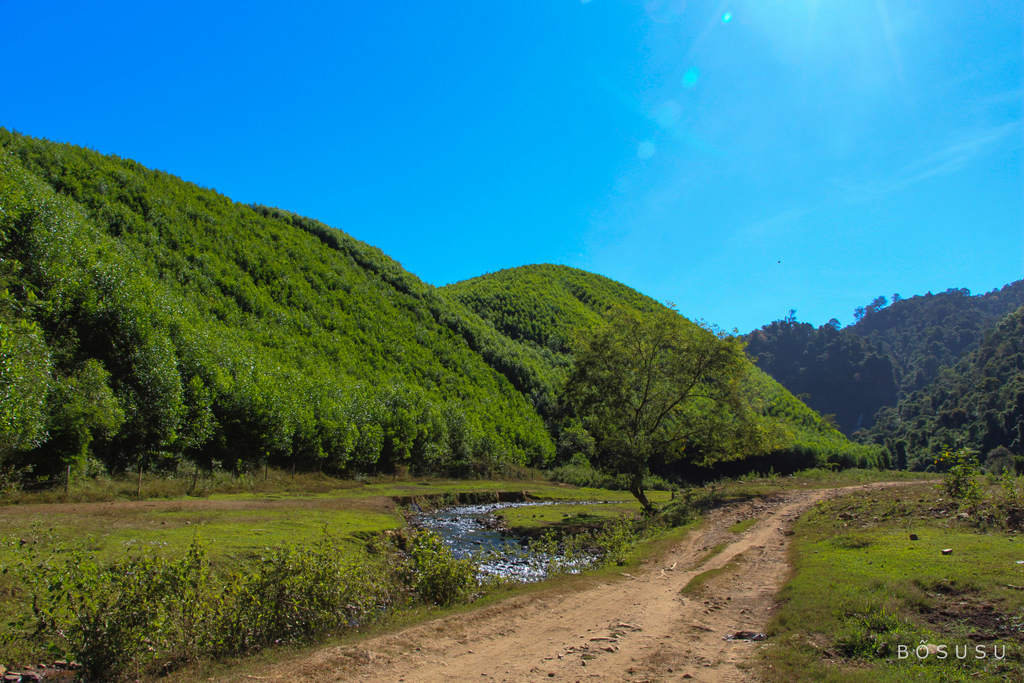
x: 907, y: 584
x: 130, y: 588
x: 134, y: 589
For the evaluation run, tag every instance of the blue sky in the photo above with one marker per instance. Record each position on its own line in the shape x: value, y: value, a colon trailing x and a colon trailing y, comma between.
x: 738, y: 158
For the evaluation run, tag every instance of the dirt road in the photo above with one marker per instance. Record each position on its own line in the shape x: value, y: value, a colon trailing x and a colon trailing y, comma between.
x: 638, y: 627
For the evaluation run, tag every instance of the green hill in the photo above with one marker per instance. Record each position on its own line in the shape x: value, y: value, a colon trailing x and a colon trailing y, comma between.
x: 978, y: 403
x: 170, y: 323
x: 545, y: 306
x: 146, y: 322
x: 871, y: 368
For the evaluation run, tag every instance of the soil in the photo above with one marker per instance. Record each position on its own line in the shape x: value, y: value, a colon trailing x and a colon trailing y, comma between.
x: 638, y: 626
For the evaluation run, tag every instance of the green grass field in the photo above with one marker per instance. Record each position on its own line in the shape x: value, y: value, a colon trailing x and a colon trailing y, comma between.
x: 872, y: 586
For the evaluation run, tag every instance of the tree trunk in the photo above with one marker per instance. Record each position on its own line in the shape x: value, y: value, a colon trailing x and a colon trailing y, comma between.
x: 636, y: 487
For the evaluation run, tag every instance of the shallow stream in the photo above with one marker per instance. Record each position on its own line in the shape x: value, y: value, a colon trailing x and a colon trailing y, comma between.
x: 475, y: 529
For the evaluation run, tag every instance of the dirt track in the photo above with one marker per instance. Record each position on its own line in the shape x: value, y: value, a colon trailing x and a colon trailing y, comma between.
x: 636, y: 628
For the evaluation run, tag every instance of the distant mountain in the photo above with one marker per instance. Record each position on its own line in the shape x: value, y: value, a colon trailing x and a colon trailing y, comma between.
x: 146, y: 322
x: 836, y: 372
x: 889, y: 353
x: 978, y: 403
x: 923, y: 334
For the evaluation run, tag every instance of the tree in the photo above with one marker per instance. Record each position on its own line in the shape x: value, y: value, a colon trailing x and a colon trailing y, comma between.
x: 25, y: 368
x: 876, y: 305
x: 83, y: 407
x: 655, y: 385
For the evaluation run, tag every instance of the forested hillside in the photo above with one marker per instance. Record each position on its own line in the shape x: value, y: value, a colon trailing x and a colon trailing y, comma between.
x: 547, y: 306
x: 833, y: 371
x: 148, y: 320
x: 925, y: 333
x: 978, y: 404
x: 891, y: 351
x: 147, y: 323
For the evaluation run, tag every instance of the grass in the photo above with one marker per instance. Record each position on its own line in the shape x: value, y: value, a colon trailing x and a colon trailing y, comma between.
x: 696, y: 584
x: 862, y: 589
x: 249, y: 514
x: 751, y: 486
x: 230, y: 528
x: 531, y: 521
x: 740, y: 527
x: 241, y: 518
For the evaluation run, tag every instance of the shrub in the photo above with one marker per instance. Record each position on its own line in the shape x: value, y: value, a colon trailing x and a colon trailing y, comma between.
x: 146, y: 614
x: 961, y: 467
x: 438, y: 577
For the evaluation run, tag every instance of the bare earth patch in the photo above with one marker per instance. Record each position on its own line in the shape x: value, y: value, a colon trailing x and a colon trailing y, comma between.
x: 639, y: 627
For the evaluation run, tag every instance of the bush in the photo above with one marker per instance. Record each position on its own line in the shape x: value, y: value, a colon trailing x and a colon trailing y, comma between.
x: 961, y: 466
x: 146, y: 614
x: 118, y: 619
x: 439, y: 578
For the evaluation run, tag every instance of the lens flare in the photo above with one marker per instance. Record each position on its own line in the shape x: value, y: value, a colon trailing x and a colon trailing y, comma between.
x: 691, y: 77
x: 727, y: 17
x: 645, y: 150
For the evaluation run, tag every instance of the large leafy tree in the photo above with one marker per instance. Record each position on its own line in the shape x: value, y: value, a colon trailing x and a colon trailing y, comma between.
x: 655, y: 385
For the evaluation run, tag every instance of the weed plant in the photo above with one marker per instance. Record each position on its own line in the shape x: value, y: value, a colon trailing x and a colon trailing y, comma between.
x: 146, y: 614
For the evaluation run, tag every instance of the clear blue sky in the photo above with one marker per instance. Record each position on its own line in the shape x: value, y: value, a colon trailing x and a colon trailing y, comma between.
x: 739, y: 158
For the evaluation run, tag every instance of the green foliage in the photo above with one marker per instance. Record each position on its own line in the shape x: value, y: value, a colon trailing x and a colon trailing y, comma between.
x: 799, y: 438
x: 118, y: 620
x: 835, y: 372
x: 24, y: 379
x: 978, y: 404
x: 236, y: 335
x: 302, y: 592
x: 688, y: 504
x: 547, y: 306
x: 83, y: 407
x: 543, y: 305
x: 658, y: 386
x: 227, y: 336
x: 579, y: 472
x: 146, y: 614
x: 888, y: 355
x: 926, y: 333
x: 439, y: 578
x: 610, y: 543
x: 960, y: 468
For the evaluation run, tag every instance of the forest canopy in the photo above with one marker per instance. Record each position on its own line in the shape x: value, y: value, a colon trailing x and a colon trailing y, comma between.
x: 148, y: 323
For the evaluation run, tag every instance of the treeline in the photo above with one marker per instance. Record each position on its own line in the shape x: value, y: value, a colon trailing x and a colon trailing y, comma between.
x: 923, y: 334
x: 148, y: 321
